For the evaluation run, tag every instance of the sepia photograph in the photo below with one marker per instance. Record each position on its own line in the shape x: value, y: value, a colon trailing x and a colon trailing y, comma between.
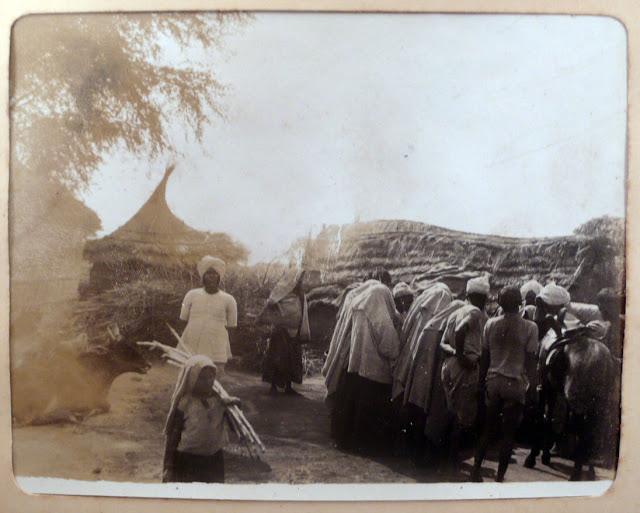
x: 317, y: 248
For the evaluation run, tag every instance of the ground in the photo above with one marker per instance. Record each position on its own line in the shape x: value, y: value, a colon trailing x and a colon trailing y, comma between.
x: 126, y: 443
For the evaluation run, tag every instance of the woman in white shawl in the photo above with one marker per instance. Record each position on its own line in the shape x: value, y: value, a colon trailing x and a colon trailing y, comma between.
x: 288, y: 314
x: 196, y: 429
x: 374, y: 345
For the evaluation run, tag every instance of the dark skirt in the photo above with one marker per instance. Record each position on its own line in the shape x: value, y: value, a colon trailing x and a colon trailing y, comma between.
x: 194, y: 468
x: 362, y: 416
x: 437, y: 418
x: 283, y: 361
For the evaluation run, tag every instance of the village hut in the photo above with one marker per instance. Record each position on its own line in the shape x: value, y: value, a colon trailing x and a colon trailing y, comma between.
x: 140, y: 272
x: 585, y: 262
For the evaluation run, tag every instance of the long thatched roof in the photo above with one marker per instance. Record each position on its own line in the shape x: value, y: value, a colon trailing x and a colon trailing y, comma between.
x: 156, y: 236
x: 415, y: 251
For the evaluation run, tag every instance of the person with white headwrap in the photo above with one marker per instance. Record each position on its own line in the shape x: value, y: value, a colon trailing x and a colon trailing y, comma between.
x: 196, y: 429
x: 462, y: 346
x: 287, y: 312
x: 209, y: 313
x: 550, y: 311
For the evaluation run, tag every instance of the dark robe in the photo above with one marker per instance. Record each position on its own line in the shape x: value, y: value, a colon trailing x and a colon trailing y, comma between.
x: 361, y: 420
x: 283, y: 361
x: 193, y: 468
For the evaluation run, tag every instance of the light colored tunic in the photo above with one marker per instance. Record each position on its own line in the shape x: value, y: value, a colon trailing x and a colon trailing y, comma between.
x: 461, y: 384
x: 208, y: 316
x: 205, y: 430
x: 374, y: 340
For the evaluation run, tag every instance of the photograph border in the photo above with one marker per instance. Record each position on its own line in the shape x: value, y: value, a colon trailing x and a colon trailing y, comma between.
x: 622, y: 495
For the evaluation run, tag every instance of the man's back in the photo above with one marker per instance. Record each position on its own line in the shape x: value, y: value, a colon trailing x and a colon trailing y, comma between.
x: 508, y: 338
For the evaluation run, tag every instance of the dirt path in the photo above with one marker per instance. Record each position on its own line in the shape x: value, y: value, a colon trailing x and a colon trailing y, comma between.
x: 126, y: 443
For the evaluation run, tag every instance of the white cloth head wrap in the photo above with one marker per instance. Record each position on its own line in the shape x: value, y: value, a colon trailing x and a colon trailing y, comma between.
x: 186, y: 382
x: 555, y: 295
x: 285, y: 285
x: 401, y: 289
x: 210, y: 262
x: 478, y: 286
x: 530, y: 286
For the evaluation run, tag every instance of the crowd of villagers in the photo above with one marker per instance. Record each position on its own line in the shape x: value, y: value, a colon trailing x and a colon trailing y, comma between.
x: 421, y: 374
x: 420, y: 368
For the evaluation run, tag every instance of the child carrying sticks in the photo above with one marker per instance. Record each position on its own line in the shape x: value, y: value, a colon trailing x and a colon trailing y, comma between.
x: 196, y: 429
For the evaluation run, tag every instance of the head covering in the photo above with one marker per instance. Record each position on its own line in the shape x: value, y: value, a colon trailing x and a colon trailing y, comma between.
x: 292, y: 316
x: 555, y: 295
x: 186, y: 382
x: 209, y: 262
x: 478, y: 285
x: 401, y: 289
x: 530, y: 286
x: 285, y: 285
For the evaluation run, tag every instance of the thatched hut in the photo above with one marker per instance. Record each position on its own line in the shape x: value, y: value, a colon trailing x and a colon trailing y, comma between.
x: 140, y: 272
x: 584, y: 262
x: 153, y: 240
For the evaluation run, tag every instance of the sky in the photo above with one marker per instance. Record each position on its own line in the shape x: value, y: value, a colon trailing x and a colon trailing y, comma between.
x: 508, y: 125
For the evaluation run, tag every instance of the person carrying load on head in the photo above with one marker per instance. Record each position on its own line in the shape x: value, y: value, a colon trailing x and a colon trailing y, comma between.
x: 462, y: 346
x: 288, y: 314
x: 510, y: 346
x: 209, y: 313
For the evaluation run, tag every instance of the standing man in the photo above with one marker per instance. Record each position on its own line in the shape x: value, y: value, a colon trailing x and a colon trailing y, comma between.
x: 209, y: 313
x: 551, y: 306
x: 462, y: 347
x: 510, y: 347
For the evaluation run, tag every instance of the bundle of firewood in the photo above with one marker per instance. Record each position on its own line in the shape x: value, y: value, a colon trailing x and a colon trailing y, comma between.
x: 239, y: 424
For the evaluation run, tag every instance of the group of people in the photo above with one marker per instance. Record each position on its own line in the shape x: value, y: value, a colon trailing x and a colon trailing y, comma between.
x: 405, y: 370
x: 421, y: 373
x: 195, y: 430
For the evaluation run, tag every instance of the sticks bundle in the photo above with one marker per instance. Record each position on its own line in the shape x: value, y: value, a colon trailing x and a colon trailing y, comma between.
x: 239, y: 424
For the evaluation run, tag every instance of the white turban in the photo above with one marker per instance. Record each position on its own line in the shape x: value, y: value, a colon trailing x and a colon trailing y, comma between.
x: 531, y: 285
x: 210, y: 262
x: 478, y: 286
x: 401, y: 289
x: 555, y: 295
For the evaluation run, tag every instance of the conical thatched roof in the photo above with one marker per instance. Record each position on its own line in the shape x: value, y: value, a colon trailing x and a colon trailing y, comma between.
x: 156, y: 236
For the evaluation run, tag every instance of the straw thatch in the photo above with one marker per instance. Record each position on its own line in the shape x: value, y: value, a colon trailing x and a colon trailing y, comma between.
x: 140, y: 273
x: 584, y: 262
x: 154, y: 240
